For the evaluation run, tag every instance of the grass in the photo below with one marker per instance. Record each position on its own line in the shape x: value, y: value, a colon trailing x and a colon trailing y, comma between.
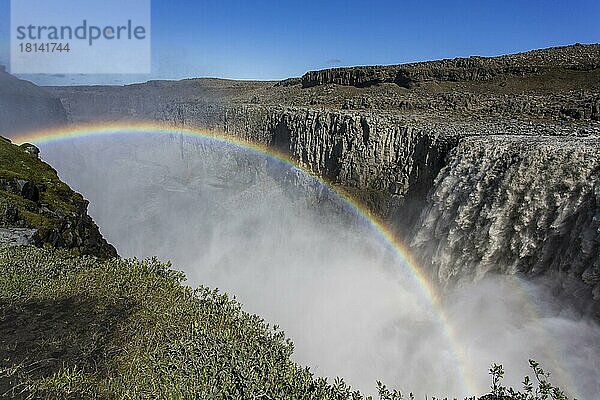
x: 76, y: 327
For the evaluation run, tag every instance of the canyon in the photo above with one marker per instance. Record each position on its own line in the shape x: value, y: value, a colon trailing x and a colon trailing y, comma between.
x: 486, y: 168
x: 482, y: 165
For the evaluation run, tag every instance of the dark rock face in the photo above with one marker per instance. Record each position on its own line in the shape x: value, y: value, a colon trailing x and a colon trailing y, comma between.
x: 457, y: 70
x: 30, y: 191
x: 80, y: 232
x: 375, y: 153
x: 26, y: 107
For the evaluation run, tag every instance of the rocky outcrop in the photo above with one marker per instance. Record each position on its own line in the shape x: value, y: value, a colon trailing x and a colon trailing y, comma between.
x: 463, y: 69
x: 517, y: 205
x: 25, y: 107
x: 37, y: 208
x: 578, y: 57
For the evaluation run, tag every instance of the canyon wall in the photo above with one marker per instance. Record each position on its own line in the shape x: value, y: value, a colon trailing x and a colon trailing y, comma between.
x: 25, y: 106
x: 374, y: 152
x: 379, y: 157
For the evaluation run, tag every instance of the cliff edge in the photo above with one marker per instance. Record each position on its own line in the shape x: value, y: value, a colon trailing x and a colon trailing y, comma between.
x: 37, y: 208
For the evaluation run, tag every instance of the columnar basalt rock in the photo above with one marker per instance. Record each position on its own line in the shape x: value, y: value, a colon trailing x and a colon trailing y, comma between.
x: 373, y: 152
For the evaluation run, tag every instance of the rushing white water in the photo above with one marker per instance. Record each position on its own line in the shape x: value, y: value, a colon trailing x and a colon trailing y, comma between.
x: 289, y: 252
x: 517, y: 204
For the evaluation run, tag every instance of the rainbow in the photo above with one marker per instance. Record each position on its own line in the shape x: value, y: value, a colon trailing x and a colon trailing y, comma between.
x: 403, y: 255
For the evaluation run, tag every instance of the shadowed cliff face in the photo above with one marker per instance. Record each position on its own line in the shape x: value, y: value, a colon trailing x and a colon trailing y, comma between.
x: 25, y: 107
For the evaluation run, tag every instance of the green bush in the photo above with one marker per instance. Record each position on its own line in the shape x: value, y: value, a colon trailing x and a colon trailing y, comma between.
x: 540, y: 389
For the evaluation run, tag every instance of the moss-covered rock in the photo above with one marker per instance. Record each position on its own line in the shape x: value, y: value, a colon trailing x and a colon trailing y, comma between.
x: 33, y: 197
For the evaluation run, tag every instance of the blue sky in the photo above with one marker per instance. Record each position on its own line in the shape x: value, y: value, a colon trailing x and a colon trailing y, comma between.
x: 277, y: 39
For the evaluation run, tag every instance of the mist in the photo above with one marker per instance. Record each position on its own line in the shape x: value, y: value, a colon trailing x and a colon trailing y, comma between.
x: 291, y: 252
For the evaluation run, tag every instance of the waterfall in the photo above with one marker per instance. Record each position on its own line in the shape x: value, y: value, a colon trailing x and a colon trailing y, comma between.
x: 517, y: 205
